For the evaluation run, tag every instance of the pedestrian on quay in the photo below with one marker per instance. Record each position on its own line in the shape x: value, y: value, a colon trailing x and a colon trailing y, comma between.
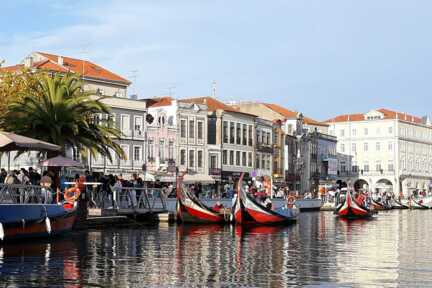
x: 3, y: 175
x: 34, y: 176
x: 45, y: 183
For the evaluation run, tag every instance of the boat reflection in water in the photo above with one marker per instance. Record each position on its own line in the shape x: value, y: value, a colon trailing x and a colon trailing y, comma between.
x: 320, y: 250
x: 40, y: 263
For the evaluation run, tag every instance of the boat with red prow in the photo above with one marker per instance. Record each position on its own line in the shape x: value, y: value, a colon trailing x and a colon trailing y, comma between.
x: 351, y: 209
x: 191, y: 210
x: 248, y: 210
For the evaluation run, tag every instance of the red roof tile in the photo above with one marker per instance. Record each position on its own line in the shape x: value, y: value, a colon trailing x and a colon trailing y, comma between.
x: 388, y: 114
x: 85, y: 68
x: 214, y: 104
x: 288, y: 114
x: 82, y: 67
x: 159, y: 102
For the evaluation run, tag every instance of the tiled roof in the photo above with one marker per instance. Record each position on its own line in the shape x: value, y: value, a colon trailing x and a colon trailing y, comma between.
x: 85, y: 68
x: 82, y: 67
x: 12, y: 69
x: 288, y: 114
x: 214, y: 104
x: 159, y: 102
x: 388, y: 114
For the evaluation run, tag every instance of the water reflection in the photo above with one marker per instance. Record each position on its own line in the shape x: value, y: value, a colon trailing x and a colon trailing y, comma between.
x: 319, y: 250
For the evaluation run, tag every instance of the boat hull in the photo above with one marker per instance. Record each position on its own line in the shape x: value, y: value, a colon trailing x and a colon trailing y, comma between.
x: 34, y: 221
x: 263, y: 215
x: 351, y: 210
x: 190, y: 210
x: 308, y: 204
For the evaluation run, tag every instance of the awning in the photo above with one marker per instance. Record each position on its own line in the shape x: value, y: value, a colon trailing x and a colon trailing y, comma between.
x: 14, y: 142
x: 198, y: 178
x: 60, y: 161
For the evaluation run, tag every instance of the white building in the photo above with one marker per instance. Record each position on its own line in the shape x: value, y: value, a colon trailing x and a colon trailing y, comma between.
x: 390, y: 150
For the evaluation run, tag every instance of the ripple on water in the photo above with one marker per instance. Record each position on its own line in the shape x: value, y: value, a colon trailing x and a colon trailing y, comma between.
x: 320, y: 250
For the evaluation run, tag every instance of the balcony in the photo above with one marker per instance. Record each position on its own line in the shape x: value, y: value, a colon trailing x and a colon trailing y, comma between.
x: 264, y: 148
x: 138, y: 134
x: 215, y: 171
x: 376, y: 172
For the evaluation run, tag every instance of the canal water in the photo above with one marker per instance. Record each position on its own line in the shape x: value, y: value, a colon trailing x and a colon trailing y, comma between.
x: 392, y: 250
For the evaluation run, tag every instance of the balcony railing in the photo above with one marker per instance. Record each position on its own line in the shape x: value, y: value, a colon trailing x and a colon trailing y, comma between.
x: 215, y: 171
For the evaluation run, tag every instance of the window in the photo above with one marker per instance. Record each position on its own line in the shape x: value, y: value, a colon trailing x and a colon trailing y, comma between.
x: 390, y: 166
x: 342, y: 132
x: 200, y: 158
x: 378, y: 165
x: 191, y: 129
x: 377, y: 146
x: 76, y: 153
x: 244, y: 159
x: 263, y: 162
x: 390, y: 130
x: 249, y: 159
x: 151, y: 150
x: 390, y: 146
x: 125, y: 124
x: 161, y: 150
x: 200, y: 130
x: 138, y: 125
x: 126, y: 151
x: 342, y: 146
x: 231, y: 154
x: 257, y: 160
x: 112, y: 120
x: 225, y: 131
x: 191, y: 158
x: 213, y: 160
x: 258, y: 135
x: 366, y: 167
x: 268, y: 162
x: 354, y: 132
x: 224, y: 157
x: 238, y: 134
x: 171, y: 150
x: 137, y: 153
x: 183, y: 157
x: 366, y: 132
x: 183, y: 128
x: 238, y: 158
x: 343, y: 166
x: 232, y: 132
x: 354, y: 147
x: 250, y: 135
x: 244, y: 133
x: 290, y: 128
x: 365, y: 147
x: 355, y: 168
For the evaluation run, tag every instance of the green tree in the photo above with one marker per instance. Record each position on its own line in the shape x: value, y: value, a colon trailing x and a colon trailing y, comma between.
x: 57, y: 110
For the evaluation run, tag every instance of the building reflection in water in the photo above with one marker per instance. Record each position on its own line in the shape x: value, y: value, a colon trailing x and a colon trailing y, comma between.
x: 319, y: 250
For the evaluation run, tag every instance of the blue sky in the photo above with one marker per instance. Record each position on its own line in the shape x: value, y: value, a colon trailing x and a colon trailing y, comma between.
x: 321, y: 57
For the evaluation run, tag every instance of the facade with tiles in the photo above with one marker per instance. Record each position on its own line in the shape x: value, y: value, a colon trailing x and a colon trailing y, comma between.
x: 390, y: 151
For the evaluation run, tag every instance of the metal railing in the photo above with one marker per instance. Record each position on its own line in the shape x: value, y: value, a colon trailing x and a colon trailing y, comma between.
x: 149, y: 199
x: 25, y: 194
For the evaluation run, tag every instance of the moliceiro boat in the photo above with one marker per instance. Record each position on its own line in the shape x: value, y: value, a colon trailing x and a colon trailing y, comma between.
x: 18, y: 221
x: 247, y: 210
x: 191, y: 210
x: 350, y: 209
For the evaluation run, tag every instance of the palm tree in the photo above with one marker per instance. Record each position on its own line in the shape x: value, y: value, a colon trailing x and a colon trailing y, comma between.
x: 61, y: 113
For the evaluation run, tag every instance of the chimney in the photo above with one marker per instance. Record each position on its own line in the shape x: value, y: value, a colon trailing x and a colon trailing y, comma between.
x: 28, y: 62
x: 60, y: 60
